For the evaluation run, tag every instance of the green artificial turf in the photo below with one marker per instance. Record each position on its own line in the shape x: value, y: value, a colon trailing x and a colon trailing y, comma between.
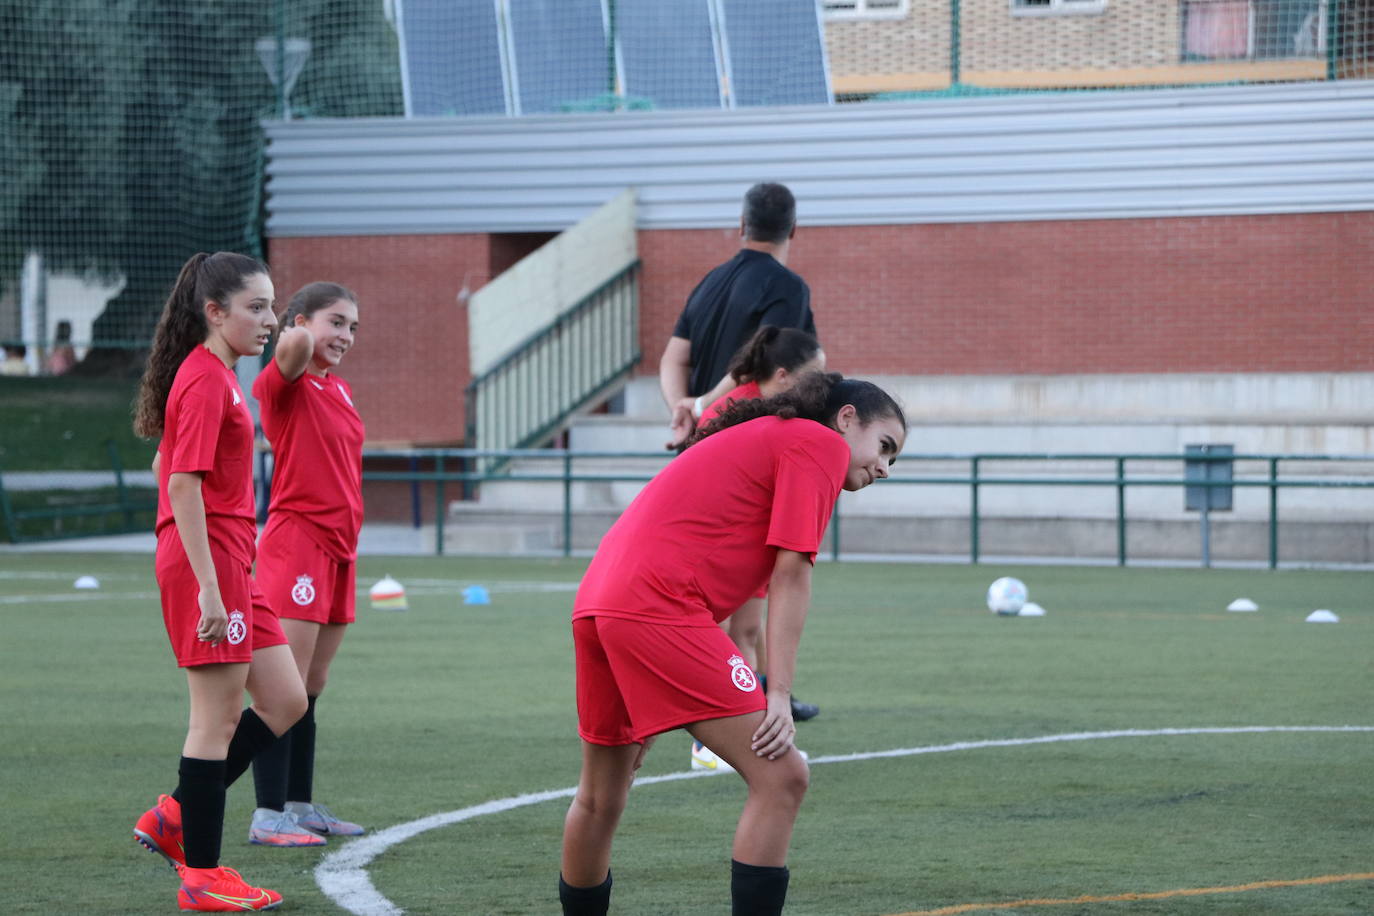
x: 448, y: 705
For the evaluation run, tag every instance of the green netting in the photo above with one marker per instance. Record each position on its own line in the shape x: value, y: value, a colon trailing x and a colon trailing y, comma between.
x: 130, y: 138
x: 130, y: 132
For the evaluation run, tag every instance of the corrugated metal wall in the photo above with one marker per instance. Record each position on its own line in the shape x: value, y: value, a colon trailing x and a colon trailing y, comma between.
x: 1305, y: 147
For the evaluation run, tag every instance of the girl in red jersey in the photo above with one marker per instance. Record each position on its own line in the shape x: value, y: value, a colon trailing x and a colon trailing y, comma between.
x: 307, y: 553
x: 745, y: 505
x: 769, y: 364
x: 221, y: 630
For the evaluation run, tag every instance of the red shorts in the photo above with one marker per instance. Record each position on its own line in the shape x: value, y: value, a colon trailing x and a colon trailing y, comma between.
x: 301, y: 581
x: 252, y: 625
x: 635, y: 680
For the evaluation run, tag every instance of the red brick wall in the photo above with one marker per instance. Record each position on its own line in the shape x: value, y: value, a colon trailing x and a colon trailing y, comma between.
x: 1286, y: 293
x: 409, y: 365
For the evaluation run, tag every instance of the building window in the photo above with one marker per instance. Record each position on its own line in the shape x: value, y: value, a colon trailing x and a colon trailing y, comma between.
x: 866, y: 9
x: 1057, y: 7
x: 1253, y: 29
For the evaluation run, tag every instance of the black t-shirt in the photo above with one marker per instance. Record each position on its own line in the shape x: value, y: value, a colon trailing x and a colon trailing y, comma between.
x: 733, y: 301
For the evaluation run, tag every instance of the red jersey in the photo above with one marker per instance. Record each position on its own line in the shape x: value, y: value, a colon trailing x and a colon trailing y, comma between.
x: 208, y: 430
x: 749, y: 391
x: 317, y: 443
x: 702, y: 537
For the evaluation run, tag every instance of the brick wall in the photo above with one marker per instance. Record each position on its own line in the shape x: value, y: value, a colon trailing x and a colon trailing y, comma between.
x: 410, y: 363
x: 1217, y: 294
x: 1279, y: 293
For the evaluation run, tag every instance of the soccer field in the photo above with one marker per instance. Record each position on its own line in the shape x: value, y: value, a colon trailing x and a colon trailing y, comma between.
x: 448, y: 706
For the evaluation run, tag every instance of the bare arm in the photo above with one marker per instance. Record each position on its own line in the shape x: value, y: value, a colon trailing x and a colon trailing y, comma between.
x: 723, y: 387
x: 789, y: 597
x: 295, y: 346
x: 188, y: 509
x: 674, y: 369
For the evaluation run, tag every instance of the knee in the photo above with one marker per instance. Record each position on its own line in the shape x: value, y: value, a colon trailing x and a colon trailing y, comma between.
x: 598, y: 805
x: 787, y: 782
x: 282, y: 712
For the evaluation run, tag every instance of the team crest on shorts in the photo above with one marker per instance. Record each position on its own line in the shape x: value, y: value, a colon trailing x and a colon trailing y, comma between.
x: 237, y: 628
x: 303, y: 592
x: 742, y: 676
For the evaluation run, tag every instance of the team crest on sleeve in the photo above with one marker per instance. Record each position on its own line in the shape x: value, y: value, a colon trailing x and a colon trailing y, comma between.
x: 742, y: 676
x: 238, y: 629
x: 237, y: 400
x: 303, y: 592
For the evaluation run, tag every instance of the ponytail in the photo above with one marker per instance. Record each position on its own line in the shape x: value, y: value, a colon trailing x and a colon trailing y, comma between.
x: 816, y: 396
x: 770, y: 349
x: 182, y: 327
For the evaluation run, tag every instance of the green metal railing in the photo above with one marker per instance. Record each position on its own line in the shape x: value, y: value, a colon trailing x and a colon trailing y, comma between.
x: 976, y: 480
x: 528, y: 397
x: 48, y: 512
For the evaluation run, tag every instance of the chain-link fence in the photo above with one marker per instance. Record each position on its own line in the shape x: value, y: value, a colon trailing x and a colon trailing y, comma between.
x: 130, y: 129
x: 130, y: 139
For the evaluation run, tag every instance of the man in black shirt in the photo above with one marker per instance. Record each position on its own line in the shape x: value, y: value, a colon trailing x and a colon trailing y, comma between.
x: 752, y: 289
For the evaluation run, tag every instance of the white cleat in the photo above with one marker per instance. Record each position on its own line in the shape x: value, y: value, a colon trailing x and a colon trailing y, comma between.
x: 703, y: 759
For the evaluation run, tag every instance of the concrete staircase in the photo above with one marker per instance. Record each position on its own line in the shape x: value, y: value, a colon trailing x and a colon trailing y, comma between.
x: 958, y: 417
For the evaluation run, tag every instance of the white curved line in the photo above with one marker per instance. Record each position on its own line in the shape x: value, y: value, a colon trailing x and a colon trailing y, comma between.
x: 342, y: 874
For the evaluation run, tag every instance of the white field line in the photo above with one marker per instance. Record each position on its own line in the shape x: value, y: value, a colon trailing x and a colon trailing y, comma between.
x: 342, y: 874
x: 92, y: 595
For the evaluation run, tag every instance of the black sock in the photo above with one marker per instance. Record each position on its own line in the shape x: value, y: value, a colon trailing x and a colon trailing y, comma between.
x: 251, y: 738
x: 201, y: 793
x: 585, y: 901
x: 757, y: 890
x: 300, y: 780
x: 269, y: 774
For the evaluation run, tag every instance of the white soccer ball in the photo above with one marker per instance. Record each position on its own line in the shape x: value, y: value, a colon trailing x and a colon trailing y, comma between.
x: 1006, y: 596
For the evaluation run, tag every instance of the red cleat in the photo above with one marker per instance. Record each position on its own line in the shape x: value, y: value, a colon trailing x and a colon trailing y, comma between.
x: 159, y: 830
x: 221, y: 890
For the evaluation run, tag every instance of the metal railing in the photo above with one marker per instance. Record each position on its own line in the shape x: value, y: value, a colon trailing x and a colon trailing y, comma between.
x: 53, y: 508
x: 528, y: 397
x: 452, y: 466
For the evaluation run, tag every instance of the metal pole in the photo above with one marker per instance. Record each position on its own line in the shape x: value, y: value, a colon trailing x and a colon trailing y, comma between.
x: 415, y: 494
x: 973, y: 510
x: 1120, y: 511
x: 121, y: 495
x: 1333, y: 12
x: 567, y: 504
x: 1273, y: 513
x: 1206, y: 532
x: 282, y: 111
x: 439, y: 505
x: 954, y: 40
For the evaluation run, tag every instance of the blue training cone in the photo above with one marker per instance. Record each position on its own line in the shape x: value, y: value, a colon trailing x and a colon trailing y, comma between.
x: 476, y: 594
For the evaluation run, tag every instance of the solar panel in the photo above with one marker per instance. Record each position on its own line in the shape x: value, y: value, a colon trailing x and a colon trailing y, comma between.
x: 559, y: 57
x: 451, y: 57
x: 667, y: 51
x: 775, y: 52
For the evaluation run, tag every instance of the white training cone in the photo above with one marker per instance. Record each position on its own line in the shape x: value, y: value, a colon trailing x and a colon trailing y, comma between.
x: 1242, y: 604
x: 1031, y: 609
x: 86, y: 582
x: 388, y: 595
x: 1322, y: 616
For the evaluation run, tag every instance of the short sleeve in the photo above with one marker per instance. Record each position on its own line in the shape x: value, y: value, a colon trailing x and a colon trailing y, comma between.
x: 683, y: 328
x: 789, y: 306
x: 809, y: 477
x: 199, y: 409
x: 271, y: 387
